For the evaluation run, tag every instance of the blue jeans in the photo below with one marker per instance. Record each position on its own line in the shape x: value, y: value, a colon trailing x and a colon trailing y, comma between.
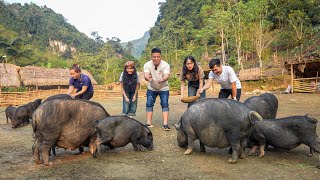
x: 192, y: 91
x: 151, y: 99
x: 131, y: 106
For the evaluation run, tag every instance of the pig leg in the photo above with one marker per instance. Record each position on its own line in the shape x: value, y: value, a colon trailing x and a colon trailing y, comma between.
x: 35, y: 151
x: 95, y: 148
x: 233, y: 137
x: 202, y: 147
x: 81, y: 150
x: 312, y: 151
x: 242, y: 148
x: 262, y: 150
x: 53, y: 150
x: 253, y: 150
x: 191, y: 140
x: 45, y: 148
x: 92, y: 145
x: 261, y: 140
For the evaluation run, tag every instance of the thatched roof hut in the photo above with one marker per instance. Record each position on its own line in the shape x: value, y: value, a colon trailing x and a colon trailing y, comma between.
x: 9, y: 76
x: 38, y: 76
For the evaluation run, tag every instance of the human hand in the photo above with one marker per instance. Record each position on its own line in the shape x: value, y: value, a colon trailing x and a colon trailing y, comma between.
x: 127, y: 99
x: 134, y: 98
x: 200, y: 91
x: 161, y: 80
x: 72, y: 95
x: 181, y: 97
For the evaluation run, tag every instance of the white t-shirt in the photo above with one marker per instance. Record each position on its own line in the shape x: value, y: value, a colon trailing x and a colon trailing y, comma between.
x: 226, y: 77
x: 162, y: 69
x: 138, y: 80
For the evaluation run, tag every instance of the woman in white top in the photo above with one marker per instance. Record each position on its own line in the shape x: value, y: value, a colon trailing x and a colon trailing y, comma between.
x: 226, y: 77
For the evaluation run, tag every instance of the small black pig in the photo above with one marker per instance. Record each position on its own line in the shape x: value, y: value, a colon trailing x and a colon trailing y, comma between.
x: 285, y: 133
x: 10, y: 111
x: 118, y: 131
x: 24, y: 113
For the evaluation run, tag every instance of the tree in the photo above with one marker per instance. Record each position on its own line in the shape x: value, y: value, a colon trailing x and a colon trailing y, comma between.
x: 260, y: 26
x: 300, y: 27
x: 239, y: 21
x: 217, y: 20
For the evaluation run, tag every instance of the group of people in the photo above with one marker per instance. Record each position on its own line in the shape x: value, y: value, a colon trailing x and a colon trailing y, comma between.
x: 156, y: 73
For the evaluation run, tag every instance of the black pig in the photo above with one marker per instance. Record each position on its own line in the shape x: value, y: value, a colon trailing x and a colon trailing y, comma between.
x: 24, y: 113
x: 216, y: 123
x: 118, y: 131
x: 285, y: 133
x: 10, y: 111
x: 66, y: 123
x: 266, y: 105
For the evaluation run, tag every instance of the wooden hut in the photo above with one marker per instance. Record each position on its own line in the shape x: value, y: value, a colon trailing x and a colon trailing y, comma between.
x: 38, y: 76
x: 9, y: 76
x: 305, y: 70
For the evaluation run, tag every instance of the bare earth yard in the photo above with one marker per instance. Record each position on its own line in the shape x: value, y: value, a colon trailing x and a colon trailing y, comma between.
x: 166, y: 161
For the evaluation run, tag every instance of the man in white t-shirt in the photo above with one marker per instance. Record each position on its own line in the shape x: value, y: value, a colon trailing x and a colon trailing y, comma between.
x: 226, y: 77
x: 156, y: 72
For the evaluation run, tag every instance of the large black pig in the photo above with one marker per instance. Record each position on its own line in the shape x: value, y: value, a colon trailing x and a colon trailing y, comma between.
x: 266, y: 105
x: 10, y: 111
x: 216, y: 123
x: 24, y: 113
x: 118, y: 131
x: 66, y: 123
x: 285, y: 133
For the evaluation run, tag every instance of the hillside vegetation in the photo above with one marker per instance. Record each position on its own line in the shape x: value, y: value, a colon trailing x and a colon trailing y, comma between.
x: 247, y: 33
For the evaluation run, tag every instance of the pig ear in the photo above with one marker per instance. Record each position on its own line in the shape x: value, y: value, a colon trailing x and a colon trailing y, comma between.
x: 177, y: 126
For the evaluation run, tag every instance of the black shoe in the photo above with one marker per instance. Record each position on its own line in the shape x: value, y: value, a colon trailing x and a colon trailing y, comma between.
x: 166, y: 127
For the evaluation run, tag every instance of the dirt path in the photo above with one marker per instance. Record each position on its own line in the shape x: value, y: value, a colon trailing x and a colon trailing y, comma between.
x: 166, y: 161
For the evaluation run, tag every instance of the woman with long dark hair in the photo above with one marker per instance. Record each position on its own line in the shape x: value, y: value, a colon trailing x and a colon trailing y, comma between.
x: 194, y: 75
x: 129, y: 81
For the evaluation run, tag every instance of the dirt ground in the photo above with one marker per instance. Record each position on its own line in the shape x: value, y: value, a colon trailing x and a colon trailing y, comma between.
x: 166, y: 161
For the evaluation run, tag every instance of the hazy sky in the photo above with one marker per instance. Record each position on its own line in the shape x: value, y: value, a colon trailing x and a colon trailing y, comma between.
x: 124, y: 19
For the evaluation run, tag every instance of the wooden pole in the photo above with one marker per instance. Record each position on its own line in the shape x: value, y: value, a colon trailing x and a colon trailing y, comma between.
x: 292, y: 78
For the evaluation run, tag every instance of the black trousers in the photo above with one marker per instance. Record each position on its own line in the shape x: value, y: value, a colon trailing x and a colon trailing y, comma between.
x: 86, y: 95
x: 225, y: 93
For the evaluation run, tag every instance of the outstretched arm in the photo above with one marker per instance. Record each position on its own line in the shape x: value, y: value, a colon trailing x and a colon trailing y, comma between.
x: 206, y: 86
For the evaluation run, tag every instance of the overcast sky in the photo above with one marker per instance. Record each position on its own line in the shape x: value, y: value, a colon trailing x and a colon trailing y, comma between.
x: 124, y: 19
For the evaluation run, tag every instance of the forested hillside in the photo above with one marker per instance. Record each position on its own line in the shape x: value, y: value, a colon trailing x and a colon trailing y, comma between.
x: 137, y: 47
x: 33, y: 35
x: 242, y: 33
